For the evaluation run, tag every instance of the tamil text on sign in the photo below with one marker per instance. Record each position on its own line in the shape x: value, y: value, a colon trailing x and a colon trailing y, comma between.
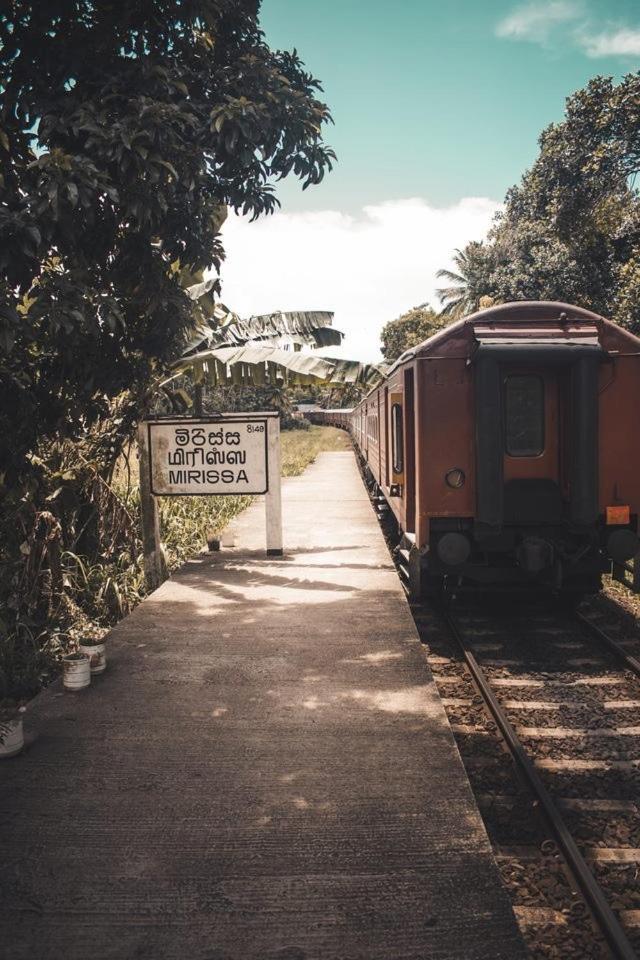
x: 205, y: 457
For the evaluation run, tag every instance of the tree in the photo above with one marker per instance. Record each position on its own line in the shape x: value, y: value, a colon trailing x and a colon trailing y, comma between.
x: 571, y: 229
x: 468, y: 283
x: 626, y: 303
x: 530, y: 262
x: 581, y: 180
x: 408, y: 330
x: 125, y: 131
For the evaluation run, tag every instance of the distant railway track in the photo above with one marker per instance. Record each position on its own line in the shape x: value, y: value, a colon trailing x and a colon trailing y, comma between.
x: 562, y: 695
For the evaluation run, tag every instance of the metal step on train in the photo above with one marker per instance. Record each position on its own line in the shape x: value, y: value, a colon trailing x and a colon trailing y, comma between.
x: 402, y: 555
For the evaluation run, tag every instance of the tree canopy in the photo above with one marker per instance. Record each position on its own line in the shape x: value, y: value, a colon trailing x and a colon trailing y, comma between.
x: 467, y: 283
x: 408, y: 330
x: 571, y: 229
x: 125, y: 132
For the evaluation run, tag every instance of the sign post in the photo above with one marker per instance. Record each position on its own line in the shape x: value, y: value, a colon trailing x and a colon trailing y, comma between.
x: 155, y: 567
x: 232, y: 454
x: 273, y: 499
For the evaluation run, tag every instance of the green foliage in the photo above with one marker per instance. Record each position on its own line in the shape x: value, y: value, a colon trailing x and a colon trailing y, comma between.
x: 99, y: 551
x: 571, y: 230
x: 467, y: 283
x: 301, y: 449
x: 283, y: 399
x: 295, y: 423
x: 105, y: 584
x: 264, y: 364
x: 626, y: 298
x: 580, y: 180
x: 126, y: 131
x: 312, y: 328
x: 408, y: 330
x: 527, y: 261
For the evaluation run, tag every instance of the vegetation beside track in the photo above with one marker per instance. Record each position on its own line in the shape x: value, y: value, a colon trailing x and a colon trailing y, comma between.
x: 301, y: 447
x: 569, y: 230
x: 625, y: 602
x: 121, y: 156
x: 101, y: 587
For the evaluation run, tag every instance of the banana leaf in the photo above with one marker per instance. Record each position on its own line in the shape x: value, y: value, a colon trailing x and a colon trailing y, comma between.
x: 260, y: 364
x: 225, y: 328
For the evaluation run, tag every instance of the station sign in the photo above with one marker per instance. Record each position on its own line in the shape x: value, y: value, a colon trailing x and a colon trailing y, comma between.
x: 224, y: 456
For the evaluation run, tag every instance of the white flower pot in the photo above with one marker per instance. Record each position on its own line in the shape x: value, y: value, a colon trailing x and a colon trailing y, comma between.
x: 11, y: 737
x: 97, y: 653
x: 77, y: 673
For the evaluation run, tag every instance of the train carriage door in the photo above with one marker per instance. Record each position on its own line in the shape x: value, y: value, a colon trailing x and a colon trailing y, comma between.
x: 536, y: 415
x: 385, y: 434
x: 379, y: 415
x: 396, y: 454
x: 410, y: 455
x: 402, y: 450
x: 367, y: 430
x: 532, y: 469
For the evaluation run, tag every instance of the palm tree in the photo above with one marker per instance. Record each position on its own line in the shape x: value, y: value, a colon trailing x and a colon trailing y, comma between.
x: 469, y: 285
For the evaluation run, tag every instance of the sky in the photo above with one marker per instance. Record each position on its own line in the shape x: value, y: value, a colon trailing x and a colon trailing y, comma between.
x: 438, y: 105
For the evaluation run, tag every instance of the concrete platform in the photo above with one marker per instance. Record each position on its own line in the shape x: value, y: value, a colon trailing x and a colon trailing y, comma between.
x: 265, y: 772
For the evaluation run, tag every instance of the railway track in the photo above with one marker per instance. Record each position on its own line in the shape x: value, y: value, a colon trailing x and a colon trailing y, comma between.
x: 545, y: 711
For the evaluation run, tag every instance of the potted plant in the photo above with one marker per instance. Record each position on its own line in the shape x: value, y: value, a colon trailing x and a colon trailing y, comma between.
x: 96, y: 649
x: 11, y: 731
x: 76, y: 670
x: 213, y: 539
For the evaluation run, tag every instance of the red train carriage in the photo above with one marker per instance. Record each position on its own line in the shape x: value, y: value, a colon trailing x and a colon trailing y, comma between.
x: 334, y: 418
x: 506, y: 447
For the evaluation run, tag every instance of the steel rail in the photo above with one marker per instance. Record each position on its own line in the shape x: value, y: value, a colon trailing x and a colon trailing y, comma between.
x: 632, y: 663
x: 605, y: 917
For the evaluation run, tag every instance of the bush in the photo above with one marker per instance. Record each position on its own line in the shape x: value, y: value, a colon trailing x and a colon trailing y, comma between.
x: 81, y: 567
x: 294, y: 423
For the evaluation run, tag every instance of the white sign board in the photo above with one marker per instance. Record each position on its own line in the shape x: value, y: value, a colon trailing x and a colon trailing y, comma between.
x: 209, y: 457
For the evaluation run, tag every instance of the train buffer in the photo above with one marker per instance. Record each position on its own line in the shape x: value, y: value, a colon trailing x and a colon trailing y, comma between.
x: 265, y: 772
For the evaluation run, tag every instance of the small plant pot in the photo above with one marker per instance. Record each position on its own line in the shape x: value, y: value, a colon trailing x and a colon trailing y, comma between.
x: 11, y: 737
x: 213, y: 544
x: 77, y: 672
x: 97, y: 653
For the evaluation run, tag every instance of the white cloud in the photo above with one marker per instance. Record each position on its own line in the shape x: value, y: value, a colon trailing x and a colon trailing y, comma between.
x: 368, y: 269
x: 568, y: 21
x: 624, y: 42
x: 534, y: 21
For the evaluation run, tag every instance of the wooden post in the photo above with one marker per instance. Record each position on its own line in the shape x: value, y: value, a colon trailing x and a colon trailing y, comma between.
x: 198, y: 412
x: 155, y: 567
x: 273, y: 497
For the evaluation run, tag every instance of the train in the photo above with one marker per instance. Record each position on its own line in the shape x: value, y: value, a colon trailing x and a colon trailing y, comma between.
x: 506, y: 448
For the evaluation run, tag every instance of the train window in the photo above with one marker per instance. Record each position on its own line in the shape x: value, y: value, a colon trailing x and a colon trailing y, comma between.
x: 524, y: 416
x: 397, y: 442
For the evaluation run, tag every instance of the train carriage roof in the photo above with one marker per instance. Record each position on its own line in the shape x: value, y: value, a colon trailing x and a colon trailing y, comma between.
x: 533, y: 321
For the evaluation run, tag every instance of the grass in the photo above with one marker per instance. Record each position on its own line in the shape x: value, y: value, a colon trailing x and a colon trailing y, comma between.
x: 103, y: 588
x: 301, y: 447
x: 112, y: 590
